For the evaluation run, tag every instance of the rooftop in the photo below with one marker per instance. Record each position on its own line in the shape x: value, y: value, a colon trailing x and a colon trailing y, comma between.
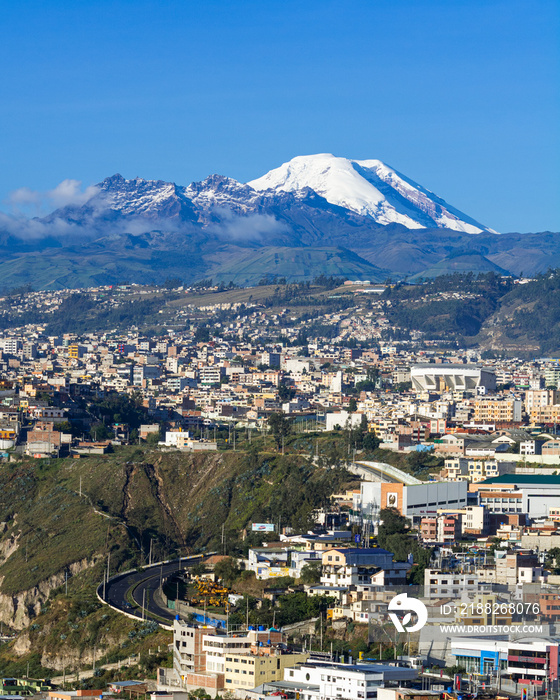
x: 519, y: 479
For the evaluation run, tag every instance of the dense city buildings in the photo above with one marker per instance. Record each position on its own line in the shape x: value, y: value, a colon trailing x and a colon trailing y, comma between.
x: 454, y: 457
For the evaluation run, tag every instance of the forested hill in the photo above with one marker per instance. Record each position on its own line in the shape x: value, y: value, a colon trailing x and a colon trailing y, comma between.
x: 487, y: 310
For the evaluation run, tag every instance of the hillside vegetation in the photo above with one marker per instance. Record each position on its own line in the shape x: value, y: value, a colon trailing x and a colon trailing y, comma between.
x: 137, y: 498
x: 485, y: 310
x: 64, y: 521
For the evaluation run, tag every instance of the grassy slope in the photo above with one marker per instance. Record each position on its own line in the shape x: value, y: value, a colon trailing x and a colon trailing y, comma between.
x: 295, y: 264
x: 136, y: 495
x: 180, y: 501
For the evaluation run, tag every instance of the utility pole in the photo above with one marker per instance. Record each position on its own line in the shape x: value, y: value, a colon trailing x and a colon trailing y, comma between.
x: 143, y: 604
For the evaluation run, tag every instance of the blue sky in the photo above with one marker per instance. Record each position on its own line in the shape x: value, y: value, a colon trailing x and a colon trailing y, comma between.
x: 462, y: 96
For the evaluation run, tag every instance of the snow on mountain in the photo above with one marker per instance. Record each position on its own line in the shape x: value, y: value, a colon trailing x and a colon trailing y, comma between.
x: 150, y: 199
x: 369, y: 188
x: 302, y: 192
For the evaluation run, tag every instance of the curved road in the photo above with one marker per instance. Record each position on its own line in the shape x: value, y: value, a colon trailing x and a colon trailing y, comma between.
x: 141, y: 587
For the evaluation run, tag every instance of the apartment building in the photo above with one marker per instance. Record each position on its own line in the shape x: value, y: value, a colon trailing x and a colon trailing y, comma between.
x: 208, y: 658
x: 545, y: 414
x: 483, y: 609
x: 269, y: 562
x: 498, y: 410
x: 263, y: 665
x: 538, y: 398
x: 443, y: 528
x: 549, y: 605
x: 475, y: 470
x: 352, y: 567
x: 217, y: 646
x: 442, y: 584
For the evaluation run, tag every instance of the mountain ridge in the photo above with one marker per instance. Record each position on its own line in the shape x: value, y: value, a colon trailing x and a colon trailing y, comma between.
x: 148, y: 230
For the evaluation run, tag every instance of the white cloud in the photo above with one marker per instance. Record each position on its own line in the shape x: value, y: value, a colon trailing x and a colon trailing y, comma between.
x: 28, y: 201
x: 253, y: 227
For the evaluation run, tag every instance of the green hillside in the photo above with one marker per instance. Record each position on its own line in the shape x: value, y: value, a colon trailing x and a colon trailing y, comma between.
x: 295, y: 264
x: 462, y: 263
x: 136, y: 496
x: 60, y: 521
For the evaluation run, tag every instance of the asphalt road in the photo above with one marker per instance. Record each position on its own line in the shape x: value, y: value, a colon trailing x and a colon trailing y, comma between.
x: 143, y: 585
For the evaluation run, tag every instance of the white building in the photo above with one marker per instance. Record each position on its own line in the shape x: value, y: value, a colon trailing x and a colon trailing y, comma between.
x: 216, y: 647
x: 415, y: 501
x: 446, y: 584
x: 343, y: 419
x: 346, y: 567
x: 332, y: 681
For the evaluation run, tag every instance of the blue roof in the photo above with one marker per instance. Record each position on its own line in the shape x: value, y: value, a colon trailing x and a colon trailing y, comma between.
x: 124, y: 684
x: 361, y: 550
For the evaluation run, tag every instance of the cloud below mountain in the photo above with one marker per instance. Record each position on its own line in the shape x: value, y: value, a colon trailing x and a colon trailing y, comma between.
x: 251, y: 228
x: 69, y: 192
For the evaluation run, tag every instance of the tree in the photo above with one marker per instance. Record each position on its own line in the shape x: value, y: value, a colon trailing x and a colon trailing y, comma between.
x: 198, y: 569
x: 370, y: 442
x: 153, y: 438
x: 392, y: 523
x: 280, y: 426
x: 553, y: 557
x: 63, y: 427
x: 99, y: 431
x: 352, y: 405
x: 199, y: 694
x: 286, y: 393
x: 311, y: 573
x: 202, y: 334
x: 227, y: 570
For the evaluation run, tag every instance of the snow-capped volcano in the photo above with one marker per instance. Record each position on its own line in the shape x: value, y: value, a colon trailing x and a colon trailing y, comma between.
x: 369, y: 188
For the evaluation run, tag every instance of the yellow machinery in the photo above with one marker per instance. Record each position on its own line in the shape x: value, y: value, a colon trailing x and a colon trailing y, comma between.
x: 210, y: 593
